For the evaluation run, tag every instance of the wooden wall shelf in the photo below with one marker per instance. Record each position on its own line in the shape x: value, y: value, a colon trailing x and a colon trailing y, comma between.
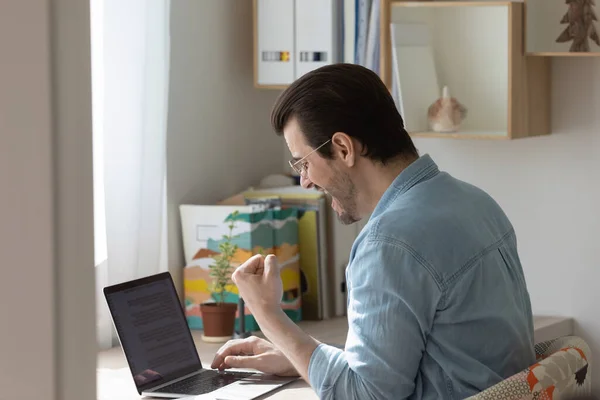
x: 478, y: 51
x: 462, y: 135
x: 562, y: 54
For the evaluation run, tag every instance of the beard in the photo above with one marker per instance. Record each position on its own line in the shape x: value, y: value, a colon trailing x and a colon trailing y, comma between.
x: 343, y: 192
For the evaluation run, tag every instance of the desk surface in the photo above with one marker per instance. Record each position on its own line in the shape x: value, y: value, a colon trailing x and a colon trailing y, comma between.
x: 115, y: 383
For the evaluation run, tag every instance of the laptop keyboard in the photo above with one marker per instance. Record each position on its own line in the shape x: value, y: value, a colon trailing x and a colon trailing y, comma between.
x: 204, y: 382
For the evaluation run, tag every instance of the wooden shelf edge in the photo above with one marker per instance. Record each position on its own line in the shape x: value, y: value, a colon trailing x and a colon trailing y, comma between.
x: 459, y: 135
x: 385, y: 43
x: 531, y: 135
x: 400, y: 3
x: 473, y: 136
x: 270, y: 87
x: 562, y: 54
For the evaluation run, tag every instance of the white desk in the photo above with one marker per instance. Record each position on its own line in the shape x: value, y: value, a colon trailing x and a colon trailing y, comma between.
x: 115, y: 383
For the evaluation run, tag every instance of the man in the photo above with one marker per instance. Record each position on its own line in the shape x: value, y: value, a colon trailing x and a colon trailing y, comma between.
x: 438, y: 306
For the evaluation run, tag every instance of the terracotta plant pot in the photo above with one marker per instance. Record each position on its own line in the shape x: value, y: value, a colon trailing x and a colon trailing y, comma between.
x: 218, y: 320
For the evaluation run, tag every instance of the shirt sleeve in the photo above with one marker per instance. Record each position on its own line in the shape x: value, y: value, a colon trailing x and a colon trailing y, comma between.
x: 393, y: 298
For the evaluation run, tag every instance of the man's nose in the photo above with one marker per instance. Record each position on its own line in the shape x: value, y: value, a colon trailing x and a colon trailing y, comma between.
x: 305, y: 182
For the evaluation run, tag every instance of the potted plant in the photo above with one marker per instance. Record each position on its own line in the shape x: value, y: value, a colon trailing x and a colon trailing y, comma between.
x: 218, y: 316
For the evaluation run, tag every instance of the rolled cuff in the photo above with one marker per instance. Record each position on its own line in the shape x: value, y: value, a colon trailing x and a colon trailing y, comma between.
x: 325, y: 367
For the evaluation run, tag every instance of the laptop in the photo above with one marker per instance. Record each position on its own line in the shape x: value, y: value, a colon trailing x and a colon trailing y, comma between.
x: 159, y: 348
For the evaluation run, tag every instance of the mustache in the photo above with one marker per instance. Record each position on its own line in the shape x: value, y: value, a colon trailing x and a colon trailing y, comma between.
x: 319, y: 188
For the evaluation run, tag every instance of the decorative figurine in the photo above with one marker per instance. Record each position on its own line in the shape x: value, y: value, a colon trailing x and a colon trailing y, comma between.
x: 580, y: 16
x: 446, y: 113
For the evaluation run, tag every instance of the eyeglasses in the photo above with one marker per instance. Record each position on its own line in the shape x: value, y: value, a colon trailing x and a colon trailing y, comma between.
x: 301, y: 165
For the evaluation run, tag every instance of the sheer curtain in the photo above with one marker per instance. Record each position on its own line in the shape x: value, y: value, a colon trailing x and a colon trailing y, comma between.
x: 130, y: 80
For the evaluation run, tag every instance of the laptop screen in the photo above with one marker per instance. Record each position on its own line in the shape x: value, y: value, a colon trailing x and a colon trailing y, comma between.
x: 152, y: 330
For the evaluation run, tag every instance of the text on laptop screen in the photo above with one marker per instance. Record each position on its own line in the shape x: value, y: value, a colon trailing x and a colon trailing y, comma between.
x: 153, y: 331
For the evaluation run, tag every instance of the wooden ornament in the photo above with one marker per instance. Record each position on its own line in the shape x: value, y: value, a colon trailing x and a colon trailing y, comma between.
x: 580, y: 18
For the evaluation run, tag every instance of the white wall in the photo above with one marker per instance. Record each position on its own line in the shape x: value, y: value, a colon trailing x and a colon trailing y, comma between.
x: 550, y: 189
x: 47, y: 335
x: 219, y: 139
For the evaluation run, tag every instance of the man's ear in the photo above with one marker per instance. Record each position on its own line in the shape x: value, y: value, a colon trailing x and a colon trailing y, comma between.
x: 344, y: 148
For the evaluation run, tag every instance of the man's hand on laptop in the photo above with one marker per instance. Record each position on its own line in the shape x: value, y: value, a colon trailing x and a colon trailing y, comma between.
x: 289, y: 348
x: 254, y: 353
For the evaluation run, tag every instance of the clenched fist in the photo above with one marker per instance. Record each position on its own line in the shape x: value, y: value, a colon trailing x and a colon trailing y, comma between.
x: 259, y: 283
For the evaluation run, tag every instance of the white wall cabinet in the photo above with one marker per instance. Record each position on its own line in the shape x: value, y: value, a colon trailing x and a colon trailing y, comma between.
x: 293, y: 37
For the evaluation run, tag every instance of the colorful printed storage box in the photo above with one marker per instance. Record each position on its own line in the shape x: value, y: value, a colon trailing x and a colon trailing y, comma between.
x: 258, y: 230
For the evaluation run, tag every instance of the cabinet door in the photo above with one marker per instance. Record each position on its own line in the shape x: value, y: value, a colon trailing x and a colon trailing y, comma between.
x: 317, y: 34
x: 275, y: 42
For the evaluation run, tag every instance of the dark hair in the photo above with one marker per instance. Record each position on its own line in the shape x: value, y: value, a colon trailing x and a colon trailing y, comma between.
x: 345, y: 98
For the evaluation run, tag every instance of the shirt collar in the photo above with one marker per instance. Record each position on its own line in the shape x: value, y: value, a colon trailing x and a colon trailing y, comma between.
x: 419, y: 170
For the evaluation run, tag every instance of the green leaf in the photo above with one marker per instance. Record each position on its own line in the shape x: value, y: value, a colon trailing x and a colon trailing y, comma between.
x: 221, y: 270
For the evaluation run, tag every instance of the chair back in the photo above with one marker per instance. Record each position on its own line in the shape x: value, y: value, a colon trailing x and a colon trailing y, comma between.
x: 562, y: 372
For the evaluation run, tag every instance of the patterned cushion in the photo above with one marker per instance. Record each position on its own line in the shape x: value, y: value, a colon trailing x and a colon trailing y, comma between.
x: 561, y: 372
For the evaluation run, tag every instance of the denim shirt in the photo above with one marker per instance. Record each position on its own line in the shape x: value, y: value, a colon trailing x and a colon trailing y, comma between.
x: 438, y: 307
